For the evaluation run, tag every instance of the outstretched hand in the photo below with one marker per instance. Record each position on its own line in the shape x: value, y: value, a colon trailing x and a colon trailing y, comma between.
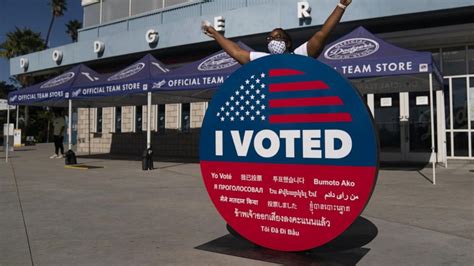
x: 208, y: 29
x: 346, y: 2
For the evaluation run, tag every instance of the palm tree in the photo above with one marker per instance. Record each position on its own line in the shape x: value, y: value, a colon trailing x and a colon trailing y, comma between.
x: 58, y: 7
x: 5, y: 88
x: 20, y: 42
x: 72, y: 27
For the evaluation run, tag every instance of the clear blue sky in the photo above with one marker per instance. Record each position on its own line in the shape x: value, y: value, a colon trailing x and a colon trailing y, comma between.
x: 36, y: 15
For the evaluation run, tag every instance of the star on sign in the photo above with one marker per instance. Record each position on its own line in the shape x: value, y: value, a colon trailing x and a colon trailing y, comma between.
x: 231, y: 98
x: 232, y: 119
x: 262, y: 86
x: 262, y: 75
x: 241, y: 108
x: 262, y: 96
x: 252, y: 97
x: 252, y: 107
x: 237, y: 92
x: 263, y: 107
x: 218, y: 114
x: 258, y: 112
x: 237, y: 103
x: 227, y: 103
x: 257, y: 91
x: 222, y: 108
x: 247, y: 102
x: 242, y: 87
x: 247, y: 81
x: 252, y: 77
x: 252, y: 86
x: 252, y: 118
x: 232, y: 108
x: 227, y: 114
x: 247, y: 113
x: 257, y: 81
x: 242, y: 118
x: 242, y: 97
x: 247, y: 92
x: 258, y: 102
x: 263, y: 117
x: 237, y: 113
x: 222, y: 119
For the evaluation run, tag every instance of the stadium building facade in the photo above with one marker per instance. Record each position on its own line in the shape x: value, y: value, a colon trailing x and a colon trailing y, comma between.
x: 119, y: 32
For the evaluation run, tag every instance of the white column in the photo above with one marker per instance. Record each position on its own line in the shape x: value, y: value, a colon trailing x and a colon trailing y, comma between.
x: 69, y: 126
x: 148, y: 122
x: 370, y: 103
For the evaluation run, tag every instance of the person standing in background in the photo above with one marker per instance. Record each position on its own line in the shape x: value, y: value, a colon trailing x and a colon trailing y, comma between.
x: 58, y: 130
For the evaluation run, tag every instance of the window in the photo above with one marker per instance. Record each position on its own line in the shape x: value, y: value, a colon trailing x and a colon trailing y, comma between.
x: 161, y: 118
x: 461, y: 147
x: 470, y: 58
x: 459, y: 97
x: 436, y: 56
x: 471, y: 102
x: 118, y: 119
x: 447, y: 103
x: 98, y: 120
x: 185, y: 117
x: 142, y: 6
x: 454, y: 61
x: 138, y: 118
x: 92, y: 15
x: 174, y: 2
x: 114, y: 9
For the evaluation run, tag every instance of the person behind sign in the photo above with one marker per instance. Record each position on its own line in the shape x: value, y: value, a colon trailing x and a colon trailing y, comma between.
x: 58, y: 129
x: 279, y: 41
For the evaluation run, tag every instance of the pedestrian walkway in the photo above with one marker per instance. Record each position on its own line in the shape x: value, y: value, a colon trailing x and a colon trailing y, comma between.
x: 121, y: 215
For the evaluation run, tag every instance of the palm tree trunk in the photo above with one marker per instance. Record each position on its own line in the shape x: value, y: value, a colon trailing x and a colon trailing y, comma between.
x: 49, y: 31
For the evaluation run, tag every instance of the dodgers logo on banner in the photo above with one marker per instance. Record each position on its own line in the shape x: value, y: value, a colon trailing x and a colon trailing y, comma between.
x: 217, y: 62
x: 352, y: 48
x: 59, y: 80
x: 288, y: 152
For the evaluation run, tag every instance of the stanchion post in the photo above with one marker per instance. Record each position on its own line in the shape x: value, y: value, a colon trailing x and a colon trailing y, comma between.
x: 69, y: 126
x: 433, y: 154
x: 8, y: 134
x: 148, y: 122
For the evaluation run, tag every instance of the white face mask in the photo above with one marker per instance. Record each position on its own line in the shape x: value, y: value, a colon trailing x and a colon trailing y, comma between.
x: 276, y: 47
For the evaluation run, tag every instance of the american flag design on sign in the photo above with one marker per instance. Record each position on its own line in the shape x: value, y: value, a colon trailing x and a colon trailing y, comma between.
x: 288, y: 152
x: 253, y: 101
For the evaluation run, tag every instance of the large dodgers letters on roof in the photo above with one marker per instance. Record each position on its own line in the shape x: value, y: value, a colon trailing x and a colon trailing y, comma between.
x: 288, y: 152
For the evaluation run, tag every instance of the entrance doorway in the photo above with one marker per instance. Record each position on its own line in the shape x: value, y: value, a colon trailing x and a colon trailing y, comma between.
x: 403, y: 123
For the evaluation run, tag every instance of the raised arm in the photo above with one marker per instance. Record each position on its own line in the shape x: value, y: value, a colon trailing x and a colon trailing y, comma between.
x: 242, y: 56
x: 318, y: 40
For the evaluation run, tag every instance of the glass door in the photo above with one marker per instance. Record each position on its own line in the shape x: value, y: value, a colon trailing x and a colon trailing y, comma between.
x: 403, y: 124
x: 386, y: 109
x: 418, y: 128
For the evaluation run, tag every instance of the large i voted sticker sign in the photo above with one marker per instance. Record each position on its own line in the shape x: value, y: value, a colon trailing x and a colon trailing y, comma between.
x: 288, y: 152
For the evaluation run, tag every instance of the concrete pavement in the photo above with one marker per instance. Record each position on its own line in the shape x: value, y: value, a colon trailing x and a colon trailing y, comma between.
x: 120, y: 215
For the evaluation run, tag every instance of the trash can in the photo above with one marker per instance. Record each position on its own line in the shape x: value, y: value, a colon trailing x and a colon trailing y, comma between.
x: 70, y: 157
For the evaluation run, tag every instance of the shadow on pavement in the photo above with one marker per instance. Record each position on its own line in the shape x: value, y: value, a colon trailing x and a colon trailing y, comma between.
x: 346, y: 249
x: 109, y: 156
x: 404, y: 166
